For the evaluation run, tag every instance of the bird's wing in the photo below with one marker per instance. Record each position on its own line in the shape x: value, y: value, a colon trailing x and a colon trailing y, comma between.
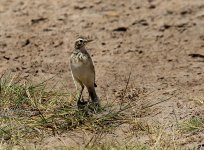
x: 92, y: 69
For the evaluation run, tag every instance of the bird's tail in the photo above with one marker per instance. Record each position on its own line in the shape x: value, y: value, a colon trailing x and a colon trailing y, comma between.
x: 92, y: 94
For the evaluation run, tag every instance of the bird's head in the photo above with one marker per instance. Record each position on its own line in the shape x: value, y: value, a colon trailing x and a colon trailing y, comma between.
x: 81, y: 42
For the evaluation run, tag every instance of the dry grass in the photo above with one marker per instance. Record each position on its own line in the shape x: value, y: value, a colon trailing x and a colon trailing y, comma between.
x: 194, y: 124
x: 30, y: 113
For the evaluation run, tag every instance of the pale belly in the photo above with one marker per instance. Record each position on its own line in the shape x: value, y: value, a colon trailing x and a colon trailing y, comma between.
x: 83, y: 72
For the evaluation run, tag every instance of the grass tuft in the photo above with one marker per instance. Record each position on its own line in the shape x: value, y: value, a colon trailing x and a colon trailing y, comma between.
x: 193, y: 124
x: 29, y: 111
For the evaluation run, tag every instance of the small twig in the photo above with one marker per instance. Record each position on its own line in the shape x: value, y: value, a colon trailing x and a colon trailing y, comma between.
x: 87, y: 144
x: 39, y: 84
x: 97, y: 137
x: 127, y: 83
x: 174, y: 113
x: 126, y: 86
x: 159, y: 102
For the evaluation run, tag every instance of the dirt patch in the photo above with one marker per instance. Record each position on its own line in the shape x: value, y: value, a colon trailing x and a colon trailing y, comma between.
x: 160, y: 42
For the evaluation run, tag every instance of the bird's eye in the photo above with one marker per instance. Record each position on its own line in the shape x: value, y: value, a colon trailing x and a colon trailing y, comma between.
x: 80, y: 41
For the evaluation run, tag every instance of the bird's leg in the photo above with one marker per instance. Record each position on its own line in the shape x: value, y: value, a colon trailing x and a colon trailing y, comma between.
x: 81, y: 91
x: 81, y: 104
x: 77, y: 82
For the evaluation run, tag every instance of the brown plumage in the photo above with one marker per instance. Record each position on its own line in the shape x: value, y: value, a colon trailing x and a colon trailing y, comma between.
x: 83, y: 71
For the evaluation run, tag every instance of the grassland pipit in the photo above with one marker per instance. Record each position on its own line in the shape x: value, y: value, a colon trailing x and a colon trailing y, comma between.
x: 83, y: 71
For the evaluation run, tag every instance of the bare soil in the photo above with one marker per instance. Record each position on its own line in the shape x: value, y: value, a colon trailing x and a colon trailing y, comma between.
x: 159, y: 43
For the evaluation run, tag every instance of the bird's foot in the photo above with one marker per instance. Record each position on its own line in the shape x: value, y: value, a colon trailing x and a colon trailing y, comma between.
x: 81, y: 103
x: 95, y: 105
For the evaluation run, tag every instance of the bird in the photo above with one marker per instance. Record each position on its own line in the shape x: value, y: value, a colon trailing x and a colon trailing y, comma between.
x: 83, y: 70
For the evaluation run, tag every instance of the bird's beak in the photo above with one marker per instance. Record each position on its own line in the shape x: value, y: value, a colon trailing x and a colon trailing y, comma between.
x: 89, y: 40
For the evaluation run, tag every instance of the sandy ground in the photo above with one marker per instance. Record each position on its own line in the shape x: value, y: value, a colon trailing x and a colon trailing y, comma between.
x: 161, y: 42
